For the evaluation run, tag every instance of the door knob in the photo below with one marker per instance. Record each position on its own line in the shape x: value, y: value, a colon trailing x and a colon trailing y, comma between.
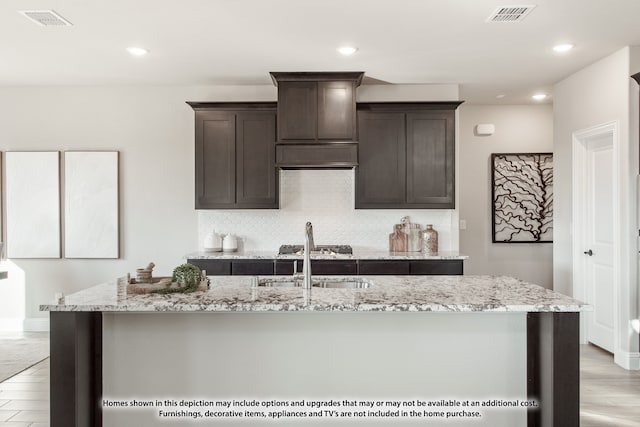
x: 589, y: 252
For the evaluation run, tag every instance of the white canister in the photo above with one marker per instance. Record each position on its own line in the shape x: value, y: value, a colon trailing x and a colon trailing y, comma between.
x: 212, y: 242
x: 229, y: 243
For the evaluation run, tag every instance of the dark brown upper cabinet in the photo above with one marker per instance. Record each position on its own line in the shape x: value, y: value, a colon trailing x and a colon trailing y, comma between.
x: 317, y: 119
x: 381, y: 176
x: 235, y: 156
x: 298, y: 111
x: 317, y: 106
x: 406, y: 155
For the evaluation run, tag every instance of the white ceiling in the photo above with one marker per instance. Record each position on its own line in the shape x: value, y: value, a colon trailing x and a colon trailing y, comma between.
x: 207, y: 42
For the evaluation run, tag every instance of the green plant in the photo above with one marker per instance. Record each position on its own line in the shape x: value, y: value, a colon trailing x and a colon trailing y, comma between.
x: 186, y: 276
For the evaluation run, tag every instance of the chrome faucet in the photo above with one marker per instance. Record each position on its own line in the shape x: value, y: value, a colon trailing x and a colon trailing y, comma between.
x: 309, y: 231
x: 306, y: 266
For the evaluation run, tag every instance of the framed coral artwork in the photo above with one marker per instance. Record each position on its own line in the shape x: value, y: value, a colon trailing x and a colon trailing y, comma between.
x: 522, y: 197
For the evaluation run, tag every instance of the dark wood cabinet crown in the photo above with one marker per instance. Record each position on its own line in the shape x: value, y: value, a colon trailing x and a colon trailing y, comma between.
x: 235, y: 155
x: 406, y: 155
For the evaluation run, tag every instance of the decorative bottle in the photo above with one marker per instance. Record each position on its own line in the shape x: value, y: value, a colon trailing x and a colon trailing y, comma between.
x: 430, y: 241
x: 398, y: 239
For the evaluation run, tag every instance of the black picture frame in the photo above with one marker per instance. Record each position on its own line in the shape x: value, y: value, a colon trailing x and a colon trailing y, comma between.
x: 522, y: 197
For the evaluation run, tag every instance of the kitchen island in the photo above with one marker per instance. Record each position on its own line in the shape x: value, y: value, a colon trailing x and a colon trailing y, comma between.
x: 411, y: 339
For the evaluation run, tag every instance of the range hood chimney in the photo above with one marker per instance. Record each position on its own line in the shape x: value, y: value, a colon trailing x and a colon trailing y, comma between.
x: 317, y: 119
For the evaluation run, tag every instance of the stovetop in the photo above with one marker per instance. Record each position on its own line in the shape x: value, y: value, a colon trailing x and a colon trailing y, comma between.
x: 320, y: 249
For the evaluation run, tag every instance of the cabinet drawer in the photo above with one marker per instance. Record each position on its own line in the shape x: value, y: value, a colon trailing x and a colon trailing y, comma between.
x: 213, y: 267
x: 319, y: 267
x: 443, y: 267
x: 252, y: 267
x: 384, y: 267
x: 284, y: 268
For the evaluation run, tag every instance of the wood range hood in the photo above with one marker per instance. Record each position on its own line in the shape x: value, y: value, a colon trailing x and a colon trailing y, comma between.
x: 317, y: 119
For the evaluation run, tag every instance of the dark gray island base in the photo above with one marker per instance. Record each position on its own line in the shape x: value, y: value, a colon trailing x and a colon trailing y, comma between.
x: 552, y: 334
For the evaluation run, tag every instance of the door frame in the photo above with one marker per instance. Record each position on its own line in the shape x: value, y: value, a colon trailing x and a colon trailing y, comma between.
x: 580, y: 222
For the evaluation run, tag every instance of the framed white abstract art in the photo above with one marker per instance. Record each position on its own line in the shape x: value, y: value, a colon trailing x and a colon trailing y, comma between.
x: 32, y: 204
x: 91, y: 220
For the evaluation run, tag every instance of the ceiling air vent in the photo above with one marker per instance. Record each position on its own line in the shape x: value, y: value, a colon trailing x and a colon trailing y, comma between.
x: 510, y: 13
x: 46, y: 18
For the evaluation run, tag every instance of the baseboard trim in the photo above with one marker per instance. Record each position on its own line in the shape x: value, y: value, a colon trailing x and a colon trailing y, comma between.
x: 11, y: 324
x: 629, y: 361
x: 36, y: 324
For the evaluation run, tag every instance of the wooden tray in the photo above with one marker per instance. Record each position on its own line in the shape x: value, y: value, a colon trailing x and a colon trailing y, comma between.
x: 148, y: 287
x: 157, y: 283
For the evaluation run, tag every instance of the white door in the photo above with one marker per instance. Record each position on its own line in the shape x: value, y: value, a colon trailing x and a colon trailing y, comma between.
x: 599, y: 241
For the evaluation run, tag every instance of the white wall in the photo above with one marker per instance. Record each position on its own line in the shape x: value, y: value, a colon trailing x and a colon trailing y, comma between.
x: 599, y: 93
x: 389, y: 93
x: 634, y: 141
x: 518, y: 129
x: 153, y: 129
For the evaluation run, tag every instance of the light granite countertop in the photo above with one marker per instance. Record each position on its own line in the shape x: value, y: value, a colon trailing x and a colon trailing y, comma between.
x: 386, y: 293
x: 357, y: 254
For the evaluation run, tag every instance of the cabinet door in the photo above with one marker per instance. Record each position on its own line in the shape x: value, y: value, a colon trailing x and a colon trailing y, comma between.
x: 436, y: 267
x: 252, y: 267
x: 430, y: 159
x: 324, y: 267
x: 215, y: 159
x: 212, y: 267
x: 286, y: 267
x: 381, y: 174
x: 383, y: 267
x: 336, y: 111
x: 257, y: 177
x: 297, y: 111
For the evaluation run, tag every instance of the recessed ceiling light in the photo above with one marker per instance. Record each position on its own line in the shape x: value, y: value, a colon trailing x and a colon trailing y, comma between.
x: 502, y: 95
x: 564, y: 47
x: 539, y: 96
x: 347, y: 50
x: 137, y: 51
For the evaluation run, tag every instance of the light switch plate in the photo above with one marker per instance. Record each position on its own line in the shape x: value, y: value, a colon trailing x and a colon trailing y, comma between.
x: 463, y: 224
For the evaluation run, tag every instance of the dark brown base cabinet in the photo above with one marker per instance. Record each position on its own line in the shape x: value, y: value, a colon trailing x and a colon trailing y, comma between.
x: 412, y: 268
x: 268, y: 267
x: 235, y: 156
x: 319, y: 266
x: 406, y: 155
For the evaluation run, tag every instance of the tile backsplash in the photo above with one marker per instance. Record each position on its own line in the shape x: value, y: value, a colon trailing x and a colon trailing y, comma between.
x: 326, y: 198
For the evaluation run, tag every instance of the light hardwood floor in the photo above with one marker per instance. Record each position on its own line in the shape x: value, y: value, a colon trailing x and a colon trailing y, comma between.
x: 24, y: 398
x: 609, y: 395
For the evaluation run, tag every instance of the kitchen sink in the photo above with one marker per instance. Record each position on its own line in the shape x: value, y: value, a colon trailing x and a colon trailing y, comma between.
x: 318, y: 282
